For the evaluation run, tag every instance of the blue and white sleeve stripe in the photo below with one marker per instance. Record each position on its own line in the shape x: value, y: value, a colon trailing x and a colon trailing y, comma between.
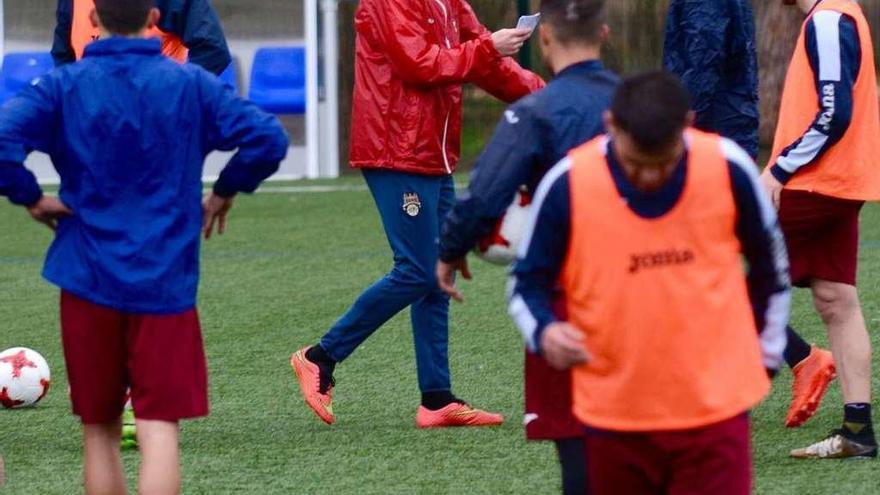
x: 834, y: 52
x: 535, y: 276
x: 763, y: 245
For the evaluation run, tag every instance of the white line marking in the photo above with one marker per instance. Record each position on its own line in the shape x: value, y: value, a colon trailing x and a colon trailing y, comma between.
x: 310, y: 189
x: 315, y: 189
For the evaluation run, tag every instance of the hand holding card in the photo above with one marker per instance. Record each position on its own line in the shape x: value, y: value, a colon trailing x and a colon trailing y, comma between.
x: 529, y: 22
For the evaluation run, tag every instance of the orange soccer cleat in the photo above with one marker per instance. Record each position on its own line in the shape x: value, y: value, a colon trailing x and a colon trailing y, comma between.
x: 811, y: 379
x: 456, y: 414
x: 318, y: 396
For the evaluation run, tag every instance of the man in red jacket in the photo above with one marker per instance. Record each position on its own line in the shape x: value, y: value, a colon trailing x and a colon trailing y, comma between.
x: 411, y: 58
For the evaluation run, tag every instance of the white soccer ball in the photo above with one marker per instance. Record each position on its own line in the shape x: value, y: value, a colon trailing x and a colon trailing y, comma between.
x: 501, y: 246
x: 24, y: 377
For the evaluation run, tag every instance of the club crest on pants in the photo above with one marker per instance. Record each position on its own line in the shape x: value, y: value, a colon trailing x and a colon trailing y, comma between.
x: 411, y: 204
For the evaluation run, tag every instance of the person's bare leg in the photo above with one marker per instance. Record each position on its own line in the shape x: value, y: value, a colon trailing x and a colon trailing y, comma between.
x: 160, y: 458
x: 103, y: 465
x: 838, y: 305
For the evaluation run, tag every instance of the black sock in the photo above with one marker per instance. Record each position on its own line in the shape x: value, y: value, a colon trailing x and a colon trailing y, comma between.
x: 573, y: 460
x: 438, y: 400
x: 326, y: 364
x: 797, y: 349
x: 318, y: 355
x: 857, y: 422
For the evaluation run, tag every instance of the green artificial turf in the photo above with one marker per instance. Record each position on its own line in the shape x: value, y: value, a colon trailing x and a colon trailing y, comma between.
x: 290, y: 264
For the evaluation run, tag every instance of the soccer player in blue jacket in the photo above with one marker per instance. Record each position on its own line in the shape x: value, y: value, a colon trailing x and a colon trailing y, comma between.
x: 190, y: 31
x: 711, y: 47
x: 534, y: 135
x: 128, y: 130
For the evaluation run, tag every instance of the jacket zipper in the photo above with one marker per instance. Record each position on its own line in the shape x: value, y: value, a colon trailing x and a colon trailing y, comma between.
x: 445, y: 132
x: 445, y: 22
x: 448, y: 45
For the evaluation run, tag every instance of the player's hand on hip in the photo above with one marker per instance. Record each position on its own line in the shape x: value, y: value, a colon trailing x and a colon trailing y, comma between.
x: 48, y: 210
x: 508, y: 42
x: 563, y: 346
x: 215, y: 209
x: 772, y: 186
x: 446, y: 276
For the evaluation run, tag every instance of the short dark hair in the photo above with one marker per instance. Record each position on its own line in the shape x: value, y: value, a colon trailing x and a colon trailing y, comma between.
x: 123, y: 16
x: 652, y: 108
x: 575, y: 21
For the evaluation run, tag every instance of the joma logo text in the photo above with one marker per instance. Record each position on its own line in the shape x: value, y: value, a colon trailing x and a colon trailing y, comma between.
x: 646, y: 261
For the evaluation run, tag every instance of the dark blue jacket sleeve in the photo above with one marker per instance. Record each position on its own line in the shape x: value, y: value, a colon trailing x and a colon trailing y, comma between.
x: 234, y: 123
x: 197, y: 25
x: 696, y: 39
x: 835, y: 56
x: 62, y: 51
x: 19, y: 184
x: 27, y: 122
x: 535, y: 275
x: 763, y: 246
x: 503, y: 167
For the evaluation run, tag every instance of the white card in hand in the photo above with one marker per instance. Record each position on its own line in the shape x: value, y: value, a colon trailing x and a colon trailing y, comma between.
x: 529, y: 22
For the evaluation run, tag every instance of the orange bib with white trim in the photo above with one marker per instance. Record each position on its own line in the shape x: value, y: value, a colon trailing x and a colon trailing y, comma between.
x: 662, y: 302
x: 851, y: 168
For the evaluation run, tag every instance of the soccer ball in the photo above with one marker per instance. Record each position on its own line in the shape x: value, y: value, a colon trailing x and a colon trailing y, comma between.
x: 501, y: 246
x: 24, y: 377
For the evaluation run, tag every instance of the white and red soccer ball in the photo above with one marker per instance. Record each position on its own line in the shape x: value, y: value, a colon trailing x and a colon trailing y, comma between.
x: 501, y: 246
x: 24, y: 378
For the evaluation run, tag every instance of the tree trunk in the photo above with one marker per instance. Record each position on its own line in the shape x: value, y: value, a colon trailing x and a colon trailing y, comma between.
x: 637, y: 31
x: 778, y: 27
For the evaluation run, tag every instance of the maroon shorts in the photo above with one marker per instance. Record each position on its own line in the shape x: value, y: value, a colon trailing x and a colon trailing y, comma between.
x: 713, y: 460
x: 548, y: 402
x: 160, y: 357
x: 822, y: 235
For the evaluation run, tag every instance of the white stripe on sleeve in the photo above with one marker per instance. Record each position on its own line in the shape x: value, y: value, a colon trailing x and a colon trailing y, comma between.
x: 540, y: 196
x: 804, y: 153
x: 734, y: 153
x: 773, y: 338
x: 518, y: 308
x: 827, y: 24
x: 738, y: 156
x: 524, y: 320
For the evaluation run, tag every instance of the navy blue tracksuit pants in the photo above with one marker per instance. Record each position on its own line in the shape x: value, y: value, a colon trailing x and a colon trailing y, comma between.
x: 412, y: 207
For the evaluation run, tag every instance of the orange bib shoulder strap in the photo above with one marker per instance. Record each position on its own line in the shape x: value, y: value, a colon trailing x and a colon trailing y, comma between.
x: 82, y: 32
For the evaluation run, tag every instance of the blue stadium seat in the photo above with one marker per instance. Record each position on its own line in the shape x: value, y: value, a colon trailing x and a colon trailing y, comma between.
x: 278, y: 80
x: 22, y: 69
x: 230, y: 76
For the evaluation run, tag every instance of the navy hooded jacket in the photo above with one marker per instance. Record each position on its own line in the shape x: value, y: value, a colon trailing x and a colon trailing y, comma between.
x: 711, y: 46
x: 131, y: 170
x: 535, y: 133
